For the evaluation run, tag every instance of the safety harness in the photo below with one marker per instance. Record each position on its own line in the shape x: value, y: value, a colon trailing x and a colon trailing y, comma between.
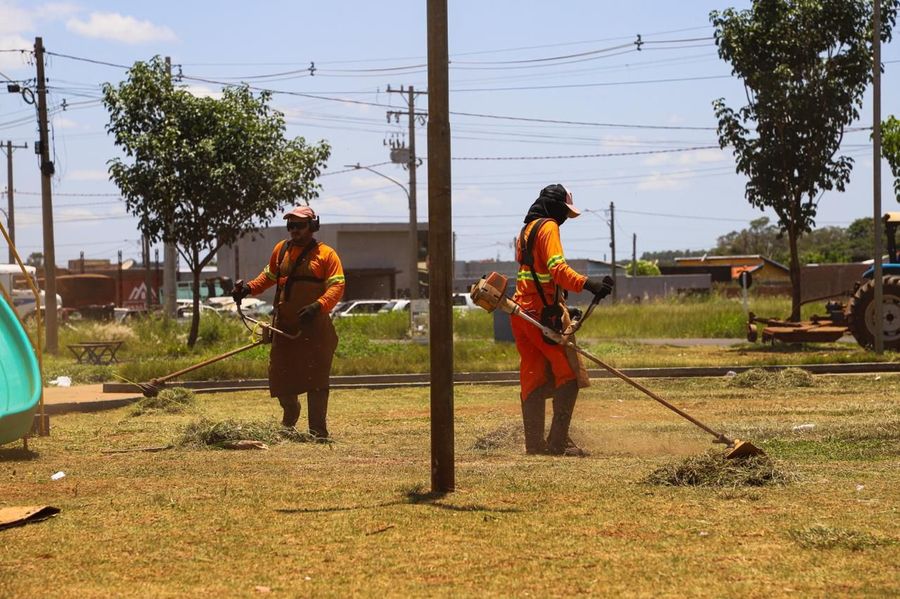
x: 552, y: 313
x: 289, y: 280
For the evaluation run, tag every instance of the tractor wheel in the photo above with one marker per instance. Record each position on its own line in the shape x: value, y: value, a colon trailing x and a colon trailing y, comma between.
x: 861, y: 313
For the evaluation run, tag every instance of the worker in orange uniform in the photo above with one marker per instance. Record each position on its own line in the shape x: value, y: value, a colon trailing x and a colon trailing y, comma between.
x: 310, y: 281
x: 548, y: 369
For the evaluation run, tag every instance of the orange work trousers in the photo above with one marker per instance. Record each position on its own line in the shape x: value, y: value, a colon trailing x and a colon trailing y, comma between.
x: 540, y: 363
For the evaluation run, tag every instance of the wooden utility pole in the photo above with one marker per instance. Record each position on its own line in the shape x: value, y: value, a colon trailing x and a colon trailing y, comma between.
x: 612, y: 246
x: 10, y: 202
x: 170, y: 255
x: 443, y: 475
x: 51, y: 321
x: 876, y: 177
x: 412, y: 162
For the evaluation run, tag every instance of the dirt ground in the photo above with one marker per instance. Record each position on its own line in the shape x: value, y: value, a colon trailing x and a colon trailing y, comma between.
x: 355, y: 517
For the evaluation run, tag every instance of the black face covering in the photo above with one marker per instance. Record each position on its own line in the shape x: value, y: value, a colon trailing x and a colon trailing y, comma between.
x: 551, y: 203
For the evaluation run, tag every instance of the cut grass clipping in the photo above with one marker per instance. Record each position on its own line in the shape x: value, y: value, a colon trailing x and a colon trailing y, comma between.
x: 782, y: 379
x: 210, y: 433
x: 170, y: 401
x: 711, y: 469
x: 506, y: 435
x: 819, y: 536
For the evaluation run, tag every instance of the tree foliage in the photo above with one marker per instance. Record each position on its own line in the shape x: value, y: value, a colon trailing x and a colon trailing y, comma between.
x: 645, y: 268
x: 805, y: 65
x: 890, y: 149
x: 201, y: 172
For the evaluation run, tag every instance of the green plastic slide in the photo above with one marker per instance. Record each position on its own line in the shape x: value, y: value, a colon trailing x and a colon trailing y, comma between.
x: 20, y: 378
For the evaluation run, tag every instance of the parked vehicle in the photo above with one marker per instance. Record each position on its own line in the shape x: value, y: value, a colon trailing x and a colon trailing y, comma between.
x: 358, y: 307
x: 21, y: 296
x: 462, y: 301
x: 397, y: 305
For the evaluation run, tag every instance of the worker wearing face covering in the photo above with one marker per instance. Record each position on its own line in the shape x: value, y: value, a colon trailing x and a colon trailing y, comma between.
x: 310, y: 282
x: 547, y: 369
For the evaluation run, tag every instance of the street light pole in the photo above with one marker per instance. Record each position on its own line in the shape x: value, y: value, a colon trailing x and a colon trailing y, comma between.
x: 413, y: 231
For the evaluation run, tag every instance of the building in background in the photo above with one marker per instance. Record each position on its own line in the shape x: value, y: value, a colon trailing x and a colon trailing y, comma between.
x: 374, y: 257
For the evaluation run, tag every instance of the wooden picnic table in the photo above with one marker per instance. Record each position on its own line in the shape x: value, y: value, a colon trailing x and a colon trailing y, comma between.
x: 95, y: 352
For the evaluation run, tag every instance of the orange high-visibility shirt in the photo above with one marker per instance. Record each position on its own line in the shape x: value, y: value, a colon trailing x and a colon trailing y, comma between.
x: 549, y: 266
x: 323, y: 262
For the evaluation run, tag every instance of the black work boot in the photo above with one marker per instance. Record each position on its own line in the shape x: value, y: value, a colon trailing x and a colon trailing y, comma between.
x: 559, y: 443
x: 533, y: 419
x: 318, y: 412
x: 291, y: 407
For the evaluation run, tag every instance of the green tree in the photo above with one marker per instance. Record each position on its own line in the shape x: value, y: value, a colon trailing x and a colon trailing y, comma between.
x: 761, y: 238
x: 805, y: 65
x: 890, y: 149
x: 645, y: 268
x: 859, y: 240
x: 202, y: 172
x: 35, y: 259
x: 667, y: 257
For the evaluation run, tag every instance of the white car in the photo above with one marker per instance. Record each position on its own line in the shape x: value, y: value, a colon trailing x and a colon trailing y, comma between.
x: 23, y: 299
x: 397, y: 305
x: 463, y: 301
x: 358, y: 308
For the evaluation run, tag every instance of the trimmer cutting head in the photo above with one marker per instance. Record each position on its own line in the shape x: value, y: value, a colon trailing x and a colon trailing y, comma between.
x: 151, y: 388
x: 743, y: 449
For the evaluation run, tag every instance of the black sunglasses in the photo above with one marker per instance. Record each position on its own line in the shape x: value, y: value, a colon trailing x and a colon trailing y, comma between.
x: 297, y: 224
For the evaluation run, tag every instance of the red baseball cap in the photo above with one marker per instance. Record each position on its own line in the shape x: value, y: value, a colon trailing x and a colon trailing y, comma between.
x: 573, y: 211
x: 301, y: 212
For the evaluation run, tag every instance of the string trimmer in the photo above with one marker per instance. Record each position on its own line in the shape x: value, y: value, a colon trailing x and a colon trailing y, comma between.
x: 263, y: 330
x: 490, y: 294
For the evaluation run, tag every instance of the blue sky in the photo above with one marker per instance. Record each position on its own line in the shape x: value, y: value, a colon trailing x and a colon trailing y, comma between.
x: 681, y: 199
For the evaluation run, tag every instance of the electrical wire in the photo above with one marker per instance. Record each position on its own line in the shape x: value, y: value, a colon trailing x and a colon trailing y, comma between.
x: 601, y: 155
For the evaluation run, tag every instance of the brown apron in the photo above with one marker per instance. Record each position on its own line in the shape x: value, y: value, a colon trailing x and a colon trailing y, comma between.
x: 574, y: 357
x: 303, y: 364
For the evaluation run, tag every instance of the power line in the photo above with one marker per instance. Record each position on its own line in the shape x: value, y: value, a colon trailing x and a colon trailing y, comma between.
x: 582, y: 123
x: 603, y: 155
x: 586, y: 85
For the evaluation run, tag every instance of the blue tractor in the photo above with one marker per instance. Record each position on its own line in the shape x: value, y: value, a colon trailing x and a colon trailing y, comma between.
x: 860, y: 310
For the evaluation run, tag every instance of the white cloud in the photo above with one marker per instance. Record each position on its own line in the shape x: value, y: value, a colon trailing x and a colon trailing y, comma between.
x: 88, y: 175
x: 14, y: 60
x: 14, y: 19
x: 660, y: 182
x: 202, y: 91
x: 56, y: 10
x: 120, y: 28
x: 61, y: 122
x: 16, y: 22
x: 690, y: 158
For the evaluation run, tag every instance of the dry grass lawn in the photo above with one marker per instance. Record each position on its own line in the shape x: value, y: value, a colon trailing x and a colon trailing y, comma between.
x: 354, y: 517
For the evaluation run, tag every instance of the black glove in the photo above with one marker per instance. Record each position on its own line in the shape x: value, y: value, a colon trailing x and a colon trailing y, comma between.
x: 240, y: 291
x: 309, y: 311
x: 599, y: 288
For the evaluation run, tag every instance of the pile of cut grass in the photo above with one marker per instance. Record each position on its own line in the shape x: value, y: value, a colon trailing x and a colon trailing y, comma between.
x: 819, y: 536
x: 787, y: 378
x: 170, y: 401
x: 711, y: 469
x: 508, y: 434
x: 210, y: 433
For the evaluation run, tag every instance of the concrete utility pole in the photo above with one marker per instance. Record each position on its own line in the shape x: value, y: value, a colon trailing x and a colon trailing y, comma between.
x: 145, y: 252
x: 411, y: 164
x: 170, y: 255
x: 634, y: 254
x: 10, y: 202
x: 443, y: 475
x: 47, y: 170
x: 612, y: 246
x: 876, y: 178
